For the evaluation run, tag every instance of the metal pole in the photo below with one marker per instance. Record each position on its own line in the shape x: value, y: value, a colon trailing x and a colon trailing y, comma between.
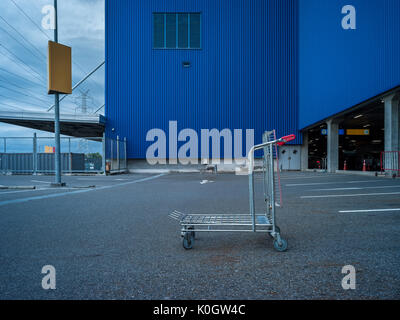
x: 119, y: 163
x: 57, y: 182
x: 272, y: 185
x: 112, y: 153
x: 251, y: 198
x: 104, y: 154
x: 7, y: 168
x: 34, y: 154
x: 70, y: 162
x: 251, y: 188
x: 126, y: 156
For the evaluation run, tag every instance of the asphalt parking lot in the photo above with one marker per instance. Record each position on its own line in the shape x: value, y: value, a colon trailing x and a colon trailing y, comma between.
x: 116, y: 241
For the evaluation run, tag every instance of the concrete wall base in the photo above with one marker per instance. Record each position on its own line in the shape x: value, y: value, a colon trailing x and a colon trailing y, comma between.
x: 142, y: 166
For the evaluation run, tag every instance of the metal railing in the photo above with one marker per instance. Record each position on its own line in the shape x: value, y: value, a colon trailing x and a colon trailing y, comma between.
x: 35, y: 155
x: 116, y: 155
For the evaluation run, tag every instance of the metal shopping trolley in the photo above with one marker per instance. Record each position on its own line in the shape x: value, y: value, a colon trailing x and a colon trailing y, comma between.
x: 253, y: 222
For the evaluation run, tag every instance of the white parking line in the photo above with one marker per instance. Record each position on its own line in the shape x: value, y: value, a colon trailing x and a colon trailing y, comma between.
x: 369, y: 210
x: 350, y: 195
x: 322, y: 183
x: 335, y: 189
x: 39, y: 181
x: 55, y: 195
x: 300, y: 177
x: 355, y: 188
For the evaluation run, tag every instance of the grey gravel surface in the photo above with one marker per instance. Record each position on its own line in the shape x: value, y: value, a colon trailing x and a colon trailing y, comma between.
x: 117, y: 242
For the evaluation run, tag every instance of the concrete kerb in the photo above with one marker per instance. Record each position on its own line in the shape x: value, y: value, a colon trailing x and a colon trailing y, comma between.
x: 163, y: 171
x: 242, y: 169
x: 362, y: 173
x: 354, y: 172
x: 204, y: 168
x: 17, y: 187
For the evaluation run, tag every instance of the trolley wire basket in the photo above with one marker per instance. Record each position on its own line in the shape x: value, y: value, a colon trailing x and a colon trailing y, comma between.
x: 253, y: 222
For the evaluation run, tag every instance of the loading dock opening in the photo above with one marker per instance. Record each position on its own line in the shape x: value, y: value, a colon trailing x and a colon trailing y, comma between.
x: 361, y: 138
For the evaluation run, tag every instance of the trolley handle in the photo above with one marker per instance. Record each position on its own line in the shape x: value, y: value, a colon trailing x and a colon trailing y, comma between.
x: 286, y: 139
x: 279, y: 142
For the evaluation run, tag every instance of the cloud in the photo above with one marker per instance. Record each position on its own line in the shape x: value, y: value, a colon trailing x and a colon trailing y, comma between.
x: 23, y: 55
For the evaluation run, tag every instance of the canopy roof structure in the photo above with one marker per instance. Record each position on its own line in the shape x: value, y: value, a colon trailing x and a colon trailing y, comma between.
x: 75, y: 125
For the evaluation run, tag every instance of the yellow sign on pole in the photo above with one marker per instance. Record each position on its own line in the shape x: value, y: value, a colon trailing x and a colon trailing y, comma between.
x: 59, y: 69
x: 357, y: 132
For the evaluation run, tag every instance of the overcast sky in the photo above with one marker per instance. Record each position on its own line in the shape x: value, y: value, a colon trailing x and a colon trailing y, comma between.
x: 23, y: 56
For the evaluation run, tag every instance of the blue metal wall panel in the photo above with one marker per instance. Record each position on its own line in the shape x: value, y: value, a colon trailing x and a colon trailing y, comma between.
x: 245, y: 76
x: 342, y: 68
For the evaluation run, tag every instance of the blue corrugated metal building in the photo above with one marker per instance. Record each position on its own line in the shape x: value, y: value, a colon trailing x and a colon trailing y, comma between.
x: 341, y: 68
x: 259, y: 64
x: 244, y: 76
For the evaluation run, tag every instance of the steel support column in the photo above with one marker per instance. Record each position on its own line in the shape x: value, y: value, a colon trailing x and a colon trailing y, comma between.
x: 333, y: 146
x: 392, y: 119
x: 304, y: 152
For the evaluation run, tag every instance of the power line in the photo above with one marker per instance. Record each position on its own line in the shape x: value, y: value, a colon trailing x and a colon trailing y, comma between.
x: 47, y: 36
x: 9, y: 105
x: 80, y: 82
x: 7, y: 81
x: 21, y: 101
x: 11, y: 36
x: 21, y: 35
x: 21, y: 77
x: 84, y: 73
x: 32, y: 93
x: 21, y: 62
x: 1, y: 45
x: 21, y: 65
x: 99, y: 108
x: 29, y: 95
x: 30, y: 19
x: 23, y: 94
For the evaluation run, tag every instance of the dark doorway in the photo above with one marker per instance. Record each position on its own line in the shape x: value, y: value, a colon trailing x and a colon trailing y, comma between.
x: 361, y: 138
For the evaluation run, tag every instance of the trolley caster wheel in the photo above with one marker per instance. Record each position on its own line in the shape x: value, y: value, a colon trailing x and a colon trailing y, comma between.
x: 280, y: 247
x: 192, y: 233
x: 188, y: 241
x: 277, y: 230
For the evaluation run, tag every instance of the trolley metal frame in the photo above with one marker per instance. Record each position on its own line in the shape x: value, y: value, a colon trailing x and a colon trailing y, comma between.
x: 266, y: 223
